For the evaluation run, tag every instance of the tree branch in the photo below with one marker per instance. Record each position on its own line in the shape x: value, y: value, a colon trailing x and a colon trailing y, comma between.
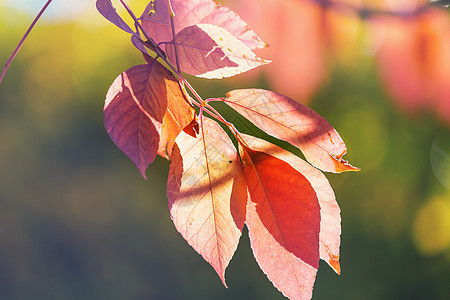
x: 10, y: 60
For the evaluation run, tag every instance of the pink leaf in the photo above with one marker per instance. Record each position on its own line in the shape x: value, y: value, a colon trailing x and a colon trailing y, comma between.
x: 156, y: 20
x: 295, y: 123
x: 136, y: 107
x: 210, y: 51
x: 207, y: 194
x: 283, y: 219
x: 330, y: 219
x: 107, y: 10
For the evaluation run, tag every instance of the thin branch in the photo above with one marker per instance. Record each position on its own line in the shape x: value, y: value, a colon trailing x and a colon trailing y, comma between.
x: 367, y: 12
x: 172, y: 24
x: 161, y: 54
x: 150, y: 41
x: 202, y: 104
x: 10, y: 60
x: 443, y: 3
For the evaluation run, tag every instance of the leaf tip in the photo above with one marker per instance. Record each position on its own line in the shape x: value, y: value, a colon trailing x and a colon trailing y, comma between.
x: 334, y: 263
x: 263, y: 61
x: 341, y: 165
x: 222, y: 277
x: 192, y: 128
x: 142, y: 171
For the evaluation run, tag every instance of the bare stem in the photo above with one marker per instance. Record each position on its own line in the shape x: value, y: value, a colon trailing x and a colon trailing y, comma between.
x: 209, y: 109
x: 10, y: 60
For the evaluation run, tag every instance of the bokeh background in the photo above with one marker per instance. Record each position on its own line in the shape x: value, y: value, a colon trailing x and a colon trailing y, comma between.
x: 77, y: 221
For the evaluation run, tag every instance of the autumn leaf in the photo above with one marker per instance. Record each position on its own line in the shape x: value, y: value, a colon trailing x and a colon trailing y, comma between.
x: 283, y: 219
x: 156, y: 20
x: 107, y: 10
x: 207, y: 193
x: 144, y: 103
x: 330, y: 220
x: 210, y: 51
x: 288, y: 205
x: 295, y: 123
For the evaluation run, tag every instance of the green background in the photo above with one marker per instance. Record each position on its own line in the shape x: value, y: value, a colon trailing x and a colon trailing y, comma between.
x: 77, y: 221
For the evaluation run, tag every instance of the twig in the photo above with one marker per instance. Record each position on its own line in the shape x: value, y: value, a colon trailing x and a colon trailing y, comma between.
x: 150, y: 40
x: 172, y: 24
x: 162, y: 54
x: 10, y: 60
x: 202, y: 104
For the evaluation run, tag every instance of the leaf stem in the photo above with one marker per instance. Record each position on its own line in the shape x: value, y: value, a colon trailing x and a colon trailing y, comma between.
x: 149, y: 39
x: 211, y: 110
x: 161, y: 54
x: 10, y: 60
x: 202, y: 104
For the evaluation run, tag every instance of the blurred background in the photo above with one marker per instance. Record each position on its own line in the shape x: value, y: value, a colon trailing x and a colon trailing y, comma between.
x: 77, y: 220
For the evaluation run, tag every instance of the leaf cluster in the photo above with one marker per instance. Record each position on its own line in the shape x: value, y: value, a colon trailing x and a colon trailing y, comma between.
x: 215, y: 188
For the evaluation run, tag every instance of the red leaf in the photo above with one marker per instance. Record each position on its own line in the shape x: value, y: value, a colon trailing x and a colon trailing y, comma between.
x: 210, y: 51
x: 295, y: 123
x: 207, y: 194
x: 330, y: 219
x: 107, y: 10
x: 136, y: 108
x: 283, y: 219
x: 156, y: 20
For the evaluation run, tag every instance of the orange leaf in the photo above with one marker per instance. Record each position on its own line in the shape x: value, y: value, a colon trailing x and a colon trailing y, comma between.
x: 207, y: 194
x: 180, y: 115
x: 283, y: 218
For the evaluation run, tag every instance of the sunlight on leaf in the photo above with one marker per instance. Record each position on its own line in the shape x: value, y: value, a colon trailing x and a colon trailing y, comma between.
x: 295, y: 123
x: 210, y: 51
x: 283, y: 219
x: 330, y: 219
x: 206, y: 192
x: 139, y: 102
x: 193, y: 12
